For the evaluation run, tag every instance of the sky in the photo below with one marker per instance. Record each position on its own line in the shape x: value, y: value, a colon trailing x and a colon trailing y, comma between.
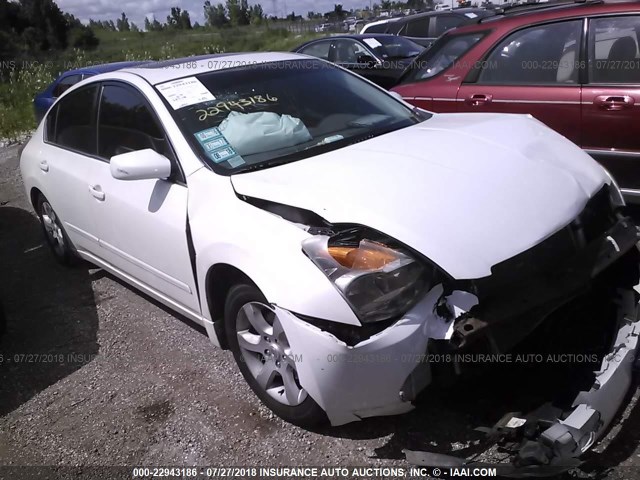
x: 137, y: 10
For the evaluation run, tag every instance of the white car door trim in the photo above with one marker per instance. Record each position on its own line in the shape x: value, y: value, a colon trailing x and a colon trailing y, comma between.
x: 79, y: 231
x: 154, y: 271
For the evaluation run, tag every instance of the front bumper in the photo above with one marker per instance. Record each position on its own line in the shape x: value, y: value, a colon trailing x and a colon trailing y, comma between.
x: 367, y: 379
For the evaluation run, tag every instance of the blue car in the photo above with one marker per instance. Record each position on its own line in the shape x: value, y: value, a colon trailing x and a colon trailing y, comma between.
x: 45, y: 99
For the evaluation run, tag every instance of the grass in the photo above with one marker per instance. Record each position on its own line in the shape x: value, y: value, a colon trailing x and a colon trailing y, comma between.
x: 20, y: 83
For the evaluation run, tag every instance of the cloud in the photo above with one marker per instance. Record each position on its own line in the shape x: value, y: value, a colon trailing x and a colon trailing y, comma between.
x: 137, y: 10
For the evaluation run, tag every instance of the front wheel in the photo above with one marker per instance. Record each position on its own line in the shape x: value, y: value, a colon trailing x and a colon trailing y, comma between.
x: 263, y: 354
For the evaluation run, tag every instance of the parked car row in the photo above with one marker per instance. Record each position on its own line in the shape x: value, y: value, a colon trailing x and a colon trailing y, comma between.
x: 424, y: 28
x: 378, y: 57
x: 575, y: 67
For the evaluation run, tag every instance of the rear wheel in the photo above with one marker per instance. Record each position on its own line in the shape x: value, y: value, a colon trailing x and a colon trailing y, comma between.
x: 54, y: 233
x: 263, y: 354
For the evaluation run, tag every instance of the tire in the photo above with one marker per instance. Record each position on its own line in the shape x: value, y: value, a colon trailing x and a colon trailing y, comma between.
x: 263, y: 359
x: 54, y: 233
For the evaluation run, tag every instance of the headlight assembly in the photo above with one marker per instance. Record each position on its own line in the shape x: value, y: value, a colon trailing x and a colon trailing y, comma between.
x: 378, y: 281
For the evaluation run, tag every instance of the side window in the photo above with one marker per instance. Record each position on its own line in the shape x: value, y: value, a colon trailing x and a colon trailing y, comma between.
x: 50, y: 125
x: 613, y: 50
x: 126, y: 124
x: 418, y: 27
x: 75, y: 126
x: 318, y: 49
x: 348, y: 51
x: 446, y: 22
x: 65, y: 84
x: 380, y: 28
x: 540, y: 55
x: 442, y: 55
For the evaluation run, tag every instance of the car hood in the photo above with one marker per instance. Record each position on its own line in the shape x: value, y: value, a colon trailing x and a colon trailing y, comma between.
x: 466, y: 190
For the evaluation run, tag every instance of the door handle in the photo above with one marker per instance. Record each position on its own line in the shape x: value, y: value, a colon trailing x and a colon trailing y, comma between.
x: 478, y: 99
x: 96, y: 191
x: 44, y: 166
x: 614, y: 102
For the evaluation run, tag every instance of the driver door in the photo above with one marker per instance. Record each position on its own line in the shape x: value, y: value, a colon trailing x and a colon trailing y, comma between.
x: 142, y: 224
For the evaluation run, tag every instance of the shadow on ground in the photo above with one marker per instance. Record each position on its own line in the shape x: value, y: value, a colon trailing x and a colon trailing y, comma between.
x: 51, y: 318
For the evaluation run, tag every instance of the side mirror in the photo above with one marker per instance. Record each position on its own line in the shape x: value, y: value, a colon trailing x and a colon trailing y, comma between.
x: 366, y: 60
x: 140, y: 165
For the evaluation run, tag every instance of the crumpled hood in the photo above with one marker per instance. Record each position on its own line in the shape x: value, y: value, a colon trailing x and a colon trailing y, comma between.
x: 466, y: 190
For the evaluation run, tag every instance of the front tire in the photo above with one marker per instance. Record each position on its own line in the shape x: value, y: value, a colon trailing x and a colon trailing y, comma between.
x: 262, y: 352
x: 54, y: 232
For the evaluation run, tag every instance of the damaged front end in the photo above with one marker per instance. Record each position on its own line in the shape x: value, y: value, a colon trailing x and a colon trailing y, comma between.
x: 594, y: 257
x: 411, y: 312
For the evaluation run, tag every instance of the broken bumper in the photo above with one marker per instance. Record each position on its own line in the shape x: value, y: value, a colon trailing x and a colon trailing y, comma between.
x: 371, y: 377
x: 570, y: 434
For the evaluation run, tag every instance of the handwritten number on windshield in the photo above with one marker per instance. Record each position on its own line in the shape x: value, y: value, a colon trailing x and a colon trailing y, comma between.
x: 231, y: 105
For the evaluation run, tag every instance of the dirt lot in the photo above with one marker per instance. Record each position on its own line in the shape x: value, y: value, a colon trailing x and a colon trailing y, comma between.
x: 94, y: 373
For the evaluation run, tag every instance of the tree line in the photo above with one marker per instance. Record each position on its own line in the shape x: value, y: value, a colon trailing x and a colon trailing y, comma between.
x: 34, y: 27
x: 31, y: 28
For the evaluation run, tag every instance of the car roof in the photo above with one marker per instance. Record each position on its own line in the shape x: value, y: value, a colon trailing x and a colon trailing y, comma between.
x: 352, y: 36
x: 455, y: 11
x: 105, y: 67
x: 536, y: 13
x: 165, y: 71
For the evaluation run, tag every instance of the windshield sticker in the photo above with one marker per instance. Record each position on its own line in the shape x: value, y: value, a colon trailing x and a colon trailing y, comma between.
x: 234, y: 105
x: 217, y: 147
x: 471, y: 15
x: 372, y: 42
x: 236, y: 161
x: 184, y: 92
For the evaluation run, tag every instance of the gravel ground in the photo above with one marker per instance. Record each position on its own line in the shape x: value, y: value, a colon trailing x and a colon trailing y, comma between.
x: 116, y: 379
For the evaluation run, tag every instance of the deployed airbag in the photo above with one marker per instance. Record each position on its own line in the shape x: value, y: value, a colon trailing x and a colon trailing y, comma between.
x: 251, y: 133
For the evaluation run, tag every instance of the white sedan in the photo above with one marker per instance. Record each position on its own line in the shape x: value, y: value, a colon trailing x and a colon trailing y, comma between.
x: 329, y: 234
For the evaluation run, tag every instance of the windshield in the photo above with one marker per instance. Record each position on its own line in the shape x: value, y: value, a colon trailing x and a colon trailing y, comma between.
x: 393, y: 46
x: 441, y: 55
x: 266, y: 114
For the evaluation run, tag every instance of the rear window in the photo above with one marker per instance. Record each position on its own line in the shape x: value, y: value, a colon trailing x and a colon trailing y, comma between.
x: 441, y: 56
x: 75, y: 125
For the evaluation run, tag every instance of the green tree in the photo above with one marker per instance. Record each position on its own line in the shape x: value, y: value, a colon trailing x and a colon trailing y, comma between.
x: 123, y: 23
x: 179, y: 19
x: 47, y: 28
x: 238, y: 11
x: 83, y: 37
x: 256, y: 14
x: 215, y: 15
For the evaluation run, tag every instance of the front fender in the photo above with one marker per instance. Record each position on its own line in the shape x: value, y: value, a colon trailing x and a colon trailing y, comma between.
x: 265, y: 247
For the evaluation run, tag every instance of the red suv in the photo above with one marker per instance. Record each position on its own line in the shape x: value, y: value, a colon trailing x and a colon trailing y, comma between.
x: 574, y: 66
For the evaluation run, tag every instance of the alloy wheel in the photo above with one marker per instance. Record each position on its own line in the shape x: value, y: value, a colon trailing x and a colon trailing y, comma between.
x: 267, y: 353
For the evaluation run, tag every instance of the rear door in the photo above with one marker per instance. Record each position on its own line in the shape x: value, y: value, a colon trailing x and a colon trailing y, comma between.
x: 611, y: 98
x: 534, y: 70
x: 67, y: 154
